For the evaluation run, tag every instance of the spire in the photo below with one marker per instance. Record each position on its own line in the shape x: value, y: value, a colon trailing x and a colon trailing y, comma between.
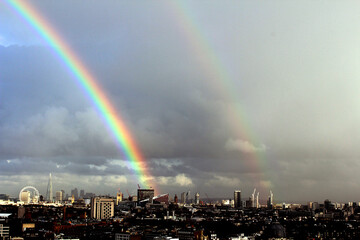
x: 49, y: 192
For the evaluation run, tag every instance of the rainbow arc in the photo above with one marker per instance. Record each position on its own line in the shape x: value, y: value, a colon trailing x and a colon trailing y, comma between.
x: 88, y: 82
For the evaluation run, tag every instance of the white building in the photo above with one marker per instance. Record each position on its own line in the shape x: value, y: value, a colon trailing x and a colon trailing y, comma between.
x: 197, y: 198
x: 102, y: 207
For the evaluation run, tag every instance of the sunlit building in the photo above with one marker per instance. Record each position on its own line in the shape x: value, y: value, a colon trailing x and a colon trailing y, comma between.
x: 25, y: 197
x: 237, y: 199
x: 102, y: 207
x: 119, y: 197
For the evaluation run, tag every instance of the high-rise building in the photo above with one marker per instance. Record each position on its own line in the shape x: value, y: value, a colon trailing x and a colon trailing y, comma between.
x: 58, y: 196
x: 102, y: 207
x: 237, y: 199
x: 49, y: 192
x: 176, y: 199
x: 187, y: 197
x: 182, y: 199
x: 145, y: 193
x: 119, y: 197
x: 82, y: 193
x: 197, y: 198
x: 270, y: 201
x: 75, y: 193
x: 252, y: 198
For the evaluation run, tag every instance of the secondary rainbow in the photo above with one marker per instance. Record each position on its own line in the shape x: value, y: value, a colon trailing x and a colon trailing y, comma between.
x: 220, y: 79
x: 88, y: 82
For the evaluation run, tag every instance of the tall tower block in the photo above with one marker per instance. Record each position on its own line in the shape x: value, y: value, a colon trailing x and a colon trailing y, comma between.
x: 49, y: 192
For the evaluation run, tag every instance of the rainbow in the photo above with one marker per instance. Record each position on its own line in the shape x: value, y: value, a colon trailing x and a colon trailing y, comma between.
x: 219, y: 78
x: 114, y: 122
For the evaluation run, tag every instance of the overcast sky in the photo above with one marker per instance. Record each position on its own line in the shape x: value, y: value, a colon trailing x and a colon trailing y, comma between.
x: 218, y: 96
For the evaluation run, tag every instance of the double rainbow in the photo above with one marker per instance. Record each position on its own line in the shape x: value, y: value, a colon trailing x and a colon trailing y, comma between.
x: 88, y: 82
x: 218, y: 76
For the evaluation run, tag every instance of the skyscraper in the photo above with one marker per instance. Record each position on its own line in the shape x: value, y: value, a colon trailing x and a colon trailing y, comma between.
x: 75, y: 193
x: 197, y: 198
x: 49, y: 192
x: 182, y: 199
x: 253, y: 201
x: 82, y: 193
x: 59, y: 196
x: 270, y: 201
x: 119, y: 197
x: 237, y: 199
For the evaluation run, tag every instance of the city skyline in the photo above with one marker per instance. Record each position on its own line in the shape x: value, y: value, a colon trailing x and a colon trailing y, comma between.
x: 217, y: 96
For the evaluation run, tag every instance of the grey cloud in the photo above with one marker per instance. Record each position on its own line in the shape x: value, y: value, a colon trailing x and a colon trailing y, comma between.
x: 243, y: 146
x: 292, y: 74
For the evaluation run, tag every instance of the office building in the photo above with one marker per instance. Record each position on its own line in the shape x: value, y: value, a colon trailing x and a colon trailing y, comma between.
x: 75, y: 193
x: 49, y: 191
x: 237, y: 199
x: 59, y: 196
x: 197, y: 198
x: 102, y: 207
x: 119, y: 197
x: 82, y: 193
x: 182, y: 198
x: 270, y: 201
x: 143, y: 194
x: 187, y: 197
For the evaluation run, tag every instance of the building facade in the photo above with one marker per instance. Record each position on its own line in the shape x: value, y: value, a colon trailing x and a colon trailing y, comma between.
x: 143, y: 194
x: 237, y: 199
x: 59, y: 196
x: 4, y: 232
x: 182, y: 198
x: 197, y: 198
x: 102, y: 207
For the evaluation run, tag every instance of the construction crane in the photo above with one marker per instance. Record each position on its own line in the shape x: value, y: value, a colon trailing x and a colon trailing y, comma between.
x: 139, y: 186
x: 128, y: 193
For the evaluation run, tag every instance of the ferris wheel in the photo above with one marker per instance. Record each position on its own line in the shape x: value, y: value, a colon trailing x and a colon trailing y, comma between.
x: 29, y: 194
